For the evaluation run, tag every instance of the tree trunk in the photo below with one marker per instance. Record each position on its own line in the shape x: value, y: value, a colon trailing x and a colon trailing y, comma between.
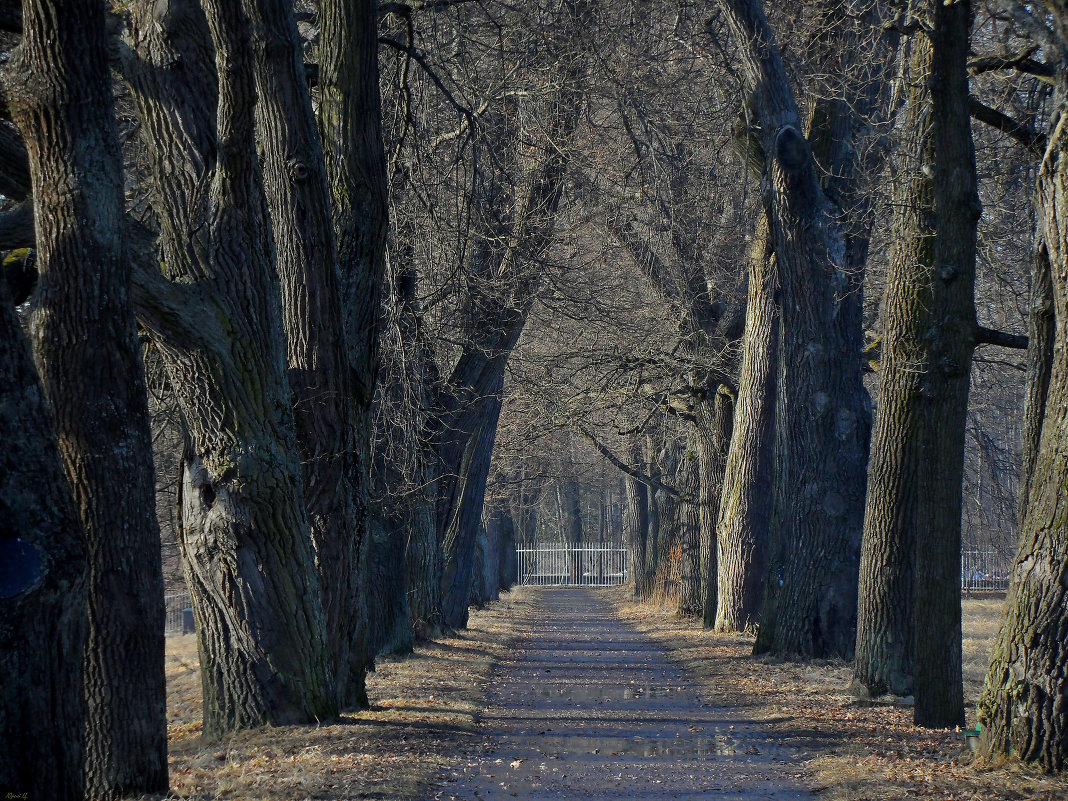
x: 744, y: 512
x: 507, y: 561
x: 295, y: 184
x: 884, y: 659
x: 571, y: 521
x: 951, y: 340
x: 87, y: 355
x: 1022, y: 710
x: 43, y: 590
x: 1040, y: 338
x: 715, y: 442
x: 244, y: 536
x: 636, y: 524
x: 822, y: 414
x: 350, y: 124
x: 423, y: 560
x: 688, y: 511
x: 461, y: 528
x: 389, y: 629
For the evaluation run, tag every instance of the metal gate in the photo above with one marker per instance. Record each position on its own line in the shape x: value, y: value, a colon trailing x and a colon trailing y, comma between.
x: 562, y: 565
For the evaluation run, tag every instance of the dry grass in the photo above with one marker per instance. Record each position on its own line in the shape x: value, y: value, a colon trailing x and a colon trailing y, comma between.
x: 421, y: 722
x: 852, y: 750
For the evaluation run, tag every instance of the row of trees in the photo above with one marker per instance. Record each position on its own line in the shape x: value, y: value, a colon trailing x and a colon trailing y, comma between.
x: 412, y: 274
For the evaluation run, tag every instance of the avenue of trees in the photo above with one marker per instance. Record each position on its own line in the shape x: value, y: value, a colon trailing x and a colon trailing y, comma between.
x: 326, y: 305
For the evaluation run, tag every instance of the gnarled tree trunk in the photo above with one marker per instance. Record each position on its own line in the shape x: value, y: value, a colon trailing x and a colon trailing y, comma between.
x: 822, y: 414
x: 306, y: 262
x: 244, y: 537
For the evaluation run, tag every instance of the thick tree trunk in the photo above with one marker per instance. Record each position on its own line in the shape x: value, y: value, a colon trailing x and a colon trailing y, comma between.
x: 423, y: 561
x: 306, y: 261
x: 688, y: 511
x: 1023, y: 710
x: 461, y: 527
x: 85, y: 344
x: 714, y: 442
x: 744, y: 513
x: 43, y: 590
x: 350, y: 124
x: 389, y: 629
x: 939, y: 686
x: 884, y: 658
x: 244, y: 537
x: 822, y: 414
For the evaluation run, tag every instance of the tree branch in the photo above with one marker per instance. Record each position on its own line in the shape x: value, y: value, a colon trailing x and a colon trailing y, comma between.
x: 989, y: 336
x: 649, y: 481
x: 1027, y: 136
x: 1021, y: 62
x: 404, y: 9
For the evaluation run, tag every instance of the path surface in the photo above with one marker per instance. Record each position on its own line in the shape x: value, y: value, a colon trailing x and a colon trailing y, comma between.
x: 589, y: 708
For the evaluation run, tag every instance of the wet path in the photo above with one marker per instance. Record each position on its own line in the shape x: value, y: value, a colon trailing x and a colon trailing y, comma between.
x: 589, y: 708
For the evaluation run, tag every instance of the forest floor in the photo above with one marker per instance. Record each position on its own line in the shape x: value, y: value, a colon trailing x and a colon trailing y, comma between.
x: 423, y: 718
x: 852, y: 750
x: 571, y: 694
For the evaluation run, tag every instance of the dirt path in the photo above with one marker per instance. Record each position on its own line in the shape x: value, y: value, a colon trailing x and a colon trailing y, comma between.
x: 590, y: 708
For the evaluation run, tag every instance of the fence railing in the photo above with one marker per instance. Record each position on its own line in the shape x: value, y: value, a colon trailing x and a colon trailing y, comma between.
x: 564, y: 565
x: 984, y: 570
x: 179, y: 614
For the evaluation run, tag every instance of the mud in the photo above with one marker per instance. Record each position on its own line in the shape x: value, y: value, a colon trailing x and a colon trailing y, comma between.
x: 588, y: 708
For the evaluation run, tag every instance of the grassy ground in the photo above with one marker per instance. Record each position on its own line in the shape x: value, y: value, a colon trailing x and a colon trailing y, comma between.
x: 853, y: 751
x: 422, y: 722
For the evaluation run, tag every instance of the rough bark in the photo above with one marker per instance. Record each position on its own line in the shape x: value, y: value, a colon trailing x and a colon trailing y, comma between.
x: 389, y: 629
x: 822, y: 414
x: 939, y: 687
x: 244, y: 537
x: 714, y: 442
x: 458, y: 540
x: 306, y: 262
x: 350, y: 124
x: 43, y: 590
x: 688, y: 511
x: 85, y: 346
x: 1022, y: 710
x: 1040, y: 339
x: 884, y: 660
x: 744, y: 513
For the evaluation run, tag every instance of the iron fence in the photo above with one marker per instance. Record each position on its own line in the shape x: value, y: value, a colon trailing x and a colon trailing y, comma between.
x: 564, y: 565
x: 179, y: 614
x: 984, y: 570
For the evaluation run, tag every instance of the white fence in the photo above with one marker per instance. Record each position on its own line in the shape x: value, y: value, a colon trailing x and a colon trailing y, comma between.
x: 983, y: 570
x: 563, y: 565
